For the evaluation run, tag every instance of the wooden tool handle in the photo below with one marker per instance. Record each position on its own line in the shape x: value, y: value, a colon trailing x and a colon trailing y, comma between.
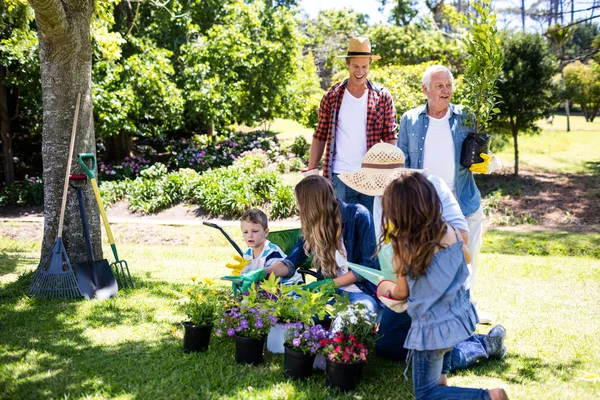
x: 68, y: 171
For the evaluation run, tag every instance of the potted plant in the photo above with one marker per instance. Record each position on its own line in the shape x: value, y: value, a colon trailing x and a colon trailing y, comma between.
x: 249, y: 326
x: 482, y: 69
x: 291, y: 304
x: 354, y: 320
x: 302, y: 342
x: 201, y: 308
x: 345, y: 360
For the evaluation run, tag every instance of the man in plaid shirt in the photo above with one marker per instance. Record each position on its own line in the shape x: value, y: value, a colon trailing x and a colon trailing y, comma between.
x: 354, y: 115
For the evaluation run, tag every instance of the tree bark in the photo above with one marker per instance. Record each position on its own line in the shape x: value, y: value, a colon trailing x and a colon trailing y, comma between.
x: 5, y: 135
x: 515, y: 133
x: 66, y: 69
x: 118, y: 147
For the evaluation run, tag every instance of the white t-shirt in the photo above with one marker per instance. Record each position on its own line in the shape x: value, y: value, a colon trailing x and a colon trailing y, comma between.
x: 450, y: 209
x: 438, y: 153
x: 351, y: 133
x: 342, y: 263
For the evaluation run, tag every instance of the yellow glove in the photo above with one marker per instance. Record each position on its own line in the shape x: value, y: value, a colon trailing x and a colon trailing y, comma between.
x: 237, y: 268
x: 482, y: 167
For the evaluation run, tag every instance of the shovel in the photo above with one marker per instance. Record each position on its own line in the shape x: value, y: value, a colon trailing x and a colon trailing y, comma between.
x: 120, y: 267
x: 95, y: 277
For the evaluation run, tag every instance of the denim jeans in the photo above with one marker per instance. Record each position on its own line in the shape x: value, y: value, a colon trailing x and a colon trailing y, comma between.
x: 350, y: 195
x: 427, y: 368
x: 394, y: 327
x: 465, y: 354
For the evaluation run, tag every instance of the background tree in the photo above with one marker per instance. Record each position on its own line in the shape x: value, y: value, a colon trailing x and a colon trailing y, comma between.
x: 66, y: 69
x: 582, y: 83
x: 403, y: 11
x: 239, y: 71
x: 20, y: 94
x: 525, y: 86
x: 327, y: 37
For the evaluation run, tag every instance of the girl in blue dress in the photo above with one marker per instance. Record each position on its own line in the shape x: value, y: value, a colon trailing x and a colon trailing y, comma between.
x: 431, y: 264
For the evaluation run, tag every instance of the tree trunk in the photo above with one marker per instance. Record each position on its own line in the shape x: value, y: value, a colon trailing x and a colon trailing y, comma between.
x: 66, y: 69
x: 568, y: 116
x: 523, y: 14
x: 5, y: 136
x: 515, y: 133
x: 585, y: 111
x: 118, y: 147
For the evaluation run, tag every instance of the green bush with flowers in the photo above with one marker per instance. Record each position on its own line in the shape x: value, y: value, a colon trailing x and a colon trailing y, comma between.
x: 291, y: 303
x: 354, y: 320
x: 305, y: 338
x: 247, y: 321
x: 202, y: 306
x: 344, y: 349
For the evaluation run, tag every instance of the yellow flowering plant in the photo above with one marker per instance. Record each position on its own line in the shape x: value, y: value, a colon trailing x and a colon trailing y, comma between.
x: 202, y: 306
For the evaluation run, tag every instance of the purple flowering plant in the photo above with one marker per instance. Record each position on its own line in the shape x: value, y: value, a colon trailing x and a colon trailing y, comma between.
x: 248, y: 321
x: 304, y: 338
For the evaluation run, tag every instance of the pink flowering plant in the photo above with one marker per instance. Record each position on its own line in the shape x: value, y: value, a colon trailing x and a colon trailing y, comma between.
x: 344, y: 349
x: 304, y: 338
x: 248, y: 321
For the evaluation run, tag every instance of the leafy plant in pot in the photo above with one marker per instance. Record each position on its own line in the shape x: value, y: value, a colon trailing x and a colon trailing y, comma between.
x: 302, y: 342
x: 482, y: 69
x: 249, y: 325
x: 202, y: 309
x: 291, y: 304
x: 345, y: 360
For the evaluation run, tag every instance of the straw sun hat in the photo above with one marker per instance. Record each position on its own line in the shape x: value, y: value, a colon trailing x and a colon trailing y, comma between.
x: 359, y: 47
x: 382, y: 164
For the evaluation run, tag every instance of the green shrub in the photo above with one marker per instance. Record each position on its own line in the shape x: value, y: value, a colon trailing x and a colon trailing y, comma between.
x: 29, y: 192
x: 113, y: 191
x: 300, y: 148
x: 155, y: 189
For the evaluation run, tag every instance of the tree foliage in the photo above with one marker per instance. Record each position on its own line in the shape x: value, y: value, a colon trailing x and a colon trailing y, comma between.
x: 525, y: 86
x: 328, y: 36
x: 483, y: 64
x: 582, y: 84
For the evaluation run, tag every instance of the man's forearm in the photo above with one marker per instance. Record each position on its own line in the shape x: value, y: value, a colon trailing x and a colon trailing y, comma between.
x: 316, y: 152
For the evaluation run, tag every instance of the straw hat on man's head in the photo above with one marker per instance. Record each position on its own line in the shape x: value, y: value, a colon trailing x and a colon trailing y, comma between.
x: 359, y: 47
x: 382, y: 164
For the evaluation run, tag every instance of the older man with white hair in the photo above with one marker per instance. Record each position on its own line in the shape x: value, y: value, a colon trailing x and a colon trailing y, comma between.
x: 431, y: 137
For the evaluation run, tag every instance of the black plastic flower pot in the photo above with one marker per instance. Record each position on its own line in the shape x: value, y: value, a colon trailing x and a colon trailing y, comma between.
x: 344, y: 377
x: 196, y: 338
x: 249, y: 350
x: 296, y: 364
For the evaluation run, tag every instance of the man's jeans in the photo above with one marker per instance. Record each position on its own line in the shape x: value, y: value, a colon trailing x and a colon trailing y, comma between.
x: 427, y: 367
x: 350, y: 195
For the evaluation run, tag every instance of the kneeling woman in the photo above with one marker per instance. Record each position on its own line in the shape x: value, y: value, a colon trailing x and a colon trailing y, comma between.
x: 333, y: 232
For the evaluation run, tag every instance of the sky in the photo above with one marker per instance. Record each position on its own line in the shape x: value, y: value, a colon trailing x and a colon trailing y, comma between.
x: 371, y: 8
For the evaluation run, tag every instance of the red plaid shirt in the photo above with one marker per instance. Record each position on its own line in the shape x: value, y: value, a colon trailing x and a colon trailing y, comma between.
x: 381, y: 119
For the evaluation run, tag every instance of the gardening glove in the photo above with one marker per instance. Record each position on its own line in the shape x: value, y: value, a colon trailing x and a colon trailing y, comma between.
x: 247, y: 280
x: 237, y: 268
x: 317, y: 286
x: 490, y: 164
x: 309, y: 172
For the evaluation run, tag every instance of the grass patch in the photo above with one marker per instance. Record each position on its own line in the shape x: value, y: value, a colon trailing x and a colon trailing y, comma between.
x: 126, y: 347
x: 556, y: 150
x: 563, y: 243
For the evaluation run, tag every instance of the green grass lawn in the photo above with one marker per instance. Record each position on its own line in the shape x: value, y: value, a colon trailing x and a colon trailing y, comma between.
x: 126, y: 347
x: 556, y: 150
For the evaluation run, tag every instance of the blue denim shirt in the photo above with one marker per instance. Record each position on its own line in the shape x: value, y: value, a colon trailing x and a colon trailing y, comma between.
x: 358, y: 233
x: 413, y: 128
